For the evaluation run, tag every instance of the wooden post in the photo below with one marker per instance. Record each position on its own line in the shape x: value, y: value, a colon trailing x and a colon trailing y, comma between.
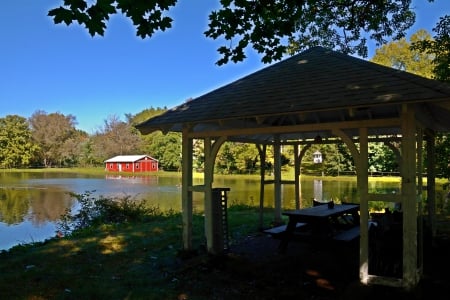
x: 186, y: 193
x: 277, y: 179
x: 361, y: 162
x: 262, y: 172
x: 363, y: 189
x: 431, y: 181
x: 409, y: 197
x: 297, y: 177
x: 208, y: 209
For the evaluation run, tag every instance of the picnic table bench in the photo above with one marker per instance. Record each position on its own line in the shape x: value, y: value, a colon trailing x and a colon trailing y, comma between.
x: 278, y: 230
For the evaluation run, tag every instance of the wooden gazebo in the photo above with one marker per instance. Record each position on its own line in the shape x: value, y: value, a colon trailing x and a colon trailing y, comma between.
x: 320, y: 93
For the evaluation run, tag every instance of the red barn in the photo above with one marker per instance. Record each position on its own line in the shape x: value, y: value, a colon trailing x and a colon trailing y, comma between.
x: 131, y: 163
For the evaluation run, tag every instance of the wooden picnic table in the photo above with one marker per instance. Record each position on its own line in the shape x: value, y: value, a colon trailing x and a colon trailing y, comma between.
x: 322, y: 220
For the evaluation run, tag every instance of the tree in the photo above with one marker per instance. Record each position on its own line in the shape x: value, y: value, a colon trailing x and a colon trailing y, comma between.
x: 439, y: 47
x: 73, y: 148
x: 115, y: 138
x: 247, y: 157
x: 275, y: 27
x: 442, y: 155
x: 271, y: 27
x: 382, y: 158
x: 399, y: 55
x: 87, y: 157
x: 336, y: 158
x: 145, y: 115
x: 226, y: 160
x: 166, y: 148
x: 16, y: 145
x: 50, y: 132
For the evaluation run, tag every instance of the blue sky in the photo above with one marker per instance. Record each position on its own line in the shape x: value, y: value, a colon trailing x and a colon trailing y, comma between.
x: 63, y: 69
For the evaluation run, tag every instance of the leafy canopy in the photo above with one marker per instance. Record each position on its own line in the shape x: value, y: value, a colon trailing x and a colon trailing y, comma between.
x: 147, y: 16
x: 16, y: 145
x: 270, y: 27
x: 439, y: 47
x: 276, y: 27
x: 400, y: 55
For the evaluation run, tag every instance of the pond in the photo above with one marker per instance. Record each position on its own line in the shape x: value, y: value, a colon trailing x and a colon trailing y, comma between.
x: 31, y: 203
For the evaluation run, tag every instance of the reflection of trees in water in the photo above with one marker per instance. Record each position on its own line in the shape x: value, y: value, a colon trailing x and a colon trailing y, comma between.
x: 49, y: 205
x: 37, y: 205
x: 13, y: 205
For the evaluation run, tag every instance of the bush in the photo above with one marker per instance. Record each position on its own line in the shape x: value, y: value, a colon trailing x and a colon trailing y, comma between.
x: 102, y: 210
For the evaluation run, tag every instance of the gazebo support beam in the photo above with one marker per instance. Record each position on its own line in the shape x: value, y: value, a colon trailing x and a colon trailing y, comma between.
x: 208, y: 206
x: 277, y: 178
x: 299, y: 158
x: 262, y: 149
x: 431, y: 180
x: 362, y: 171
x: 297, y: 177
x: 409, y: 201
x: 186, y: 192
x: 361, y: 163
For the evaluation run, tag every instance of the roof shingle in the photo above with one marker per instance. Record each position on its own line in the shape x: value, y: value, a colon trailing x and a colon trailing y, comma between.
x: 315, y: 81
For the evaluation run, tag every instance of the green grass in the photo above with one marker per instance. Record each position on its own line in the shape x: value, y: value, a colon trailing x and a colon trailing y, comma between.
x: 137, y: 257
x: 127, y: 260
x: 131, y: 259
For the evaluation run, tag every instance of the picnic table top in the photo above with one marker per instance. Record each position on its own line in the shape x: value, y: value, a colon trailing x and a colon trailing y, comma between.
x: 322, y: 211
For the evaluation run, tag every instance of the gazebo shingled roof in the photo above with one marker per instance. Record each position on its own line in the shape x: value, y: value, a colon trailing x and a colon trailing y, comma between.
x: 326, y: 93
x: 315, y: 86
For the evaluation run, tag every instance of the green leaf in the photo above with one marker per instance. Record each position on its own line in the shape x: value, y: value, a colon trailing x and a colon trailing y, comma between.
x: 106, y: 6
x: 76, y: 4
x: 61, y: 15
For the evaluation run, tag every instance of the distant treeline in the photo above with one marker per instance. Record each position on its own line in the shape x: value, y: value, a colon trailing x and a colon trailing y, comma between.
x: 51, y: 139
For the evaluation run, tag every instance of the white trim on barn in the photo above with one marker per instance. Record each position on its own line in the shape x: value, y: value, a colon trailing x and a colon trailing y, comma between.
x: 128, y: 158
x: 132, y: 163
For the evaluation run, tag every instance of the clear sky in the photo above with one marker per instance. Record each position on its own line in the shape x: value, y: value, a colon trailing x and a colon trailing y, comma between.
x: 55, y: 68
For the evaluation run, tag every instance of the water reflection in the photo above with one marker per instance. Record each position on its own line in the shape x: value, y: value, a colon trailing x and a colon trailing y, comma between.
x: 318, y: 190
x: 30, y: 203
x: 38, y: 205
x: 27, y: 214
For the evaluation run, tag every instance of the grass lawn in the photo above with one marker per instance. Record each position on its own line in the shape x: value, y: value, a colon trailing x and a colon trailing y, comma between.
x: 142, y: 260
x: 131, y: 260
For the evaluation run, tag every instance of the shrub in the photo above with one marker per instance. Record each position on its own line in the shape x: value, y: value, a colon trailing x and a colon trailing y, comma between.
x: 102, y: 210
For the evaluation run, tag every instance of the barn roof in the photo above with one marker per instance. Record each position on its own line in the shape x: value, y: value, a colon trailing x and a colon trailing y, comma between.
x: 128, y: 158
x: 315, y: 86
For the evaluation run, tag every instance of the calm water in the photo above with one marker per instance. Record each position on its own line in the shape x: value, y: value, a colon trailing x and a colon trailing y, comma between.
x: 31, y: 203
